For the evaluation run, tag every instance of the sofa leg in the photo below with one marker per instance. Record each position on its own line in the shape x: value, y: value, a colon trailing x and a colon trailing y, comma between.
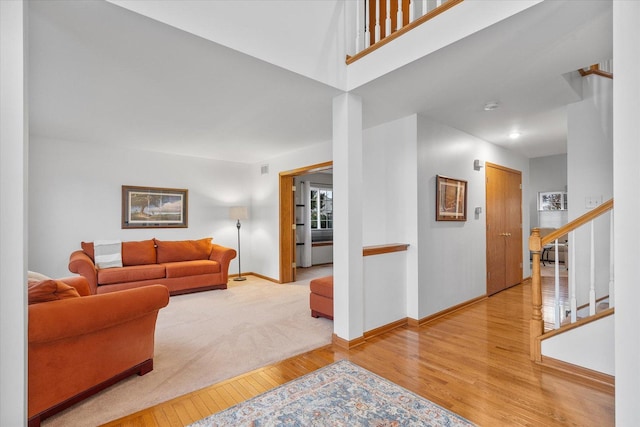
x: 34, y: 421
x: 146, y: 367
x: 314, y: 314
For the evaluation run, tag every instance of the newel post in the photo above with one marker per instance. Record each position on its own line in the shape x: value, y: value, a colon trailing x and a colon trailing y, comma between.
x: 536, y: 326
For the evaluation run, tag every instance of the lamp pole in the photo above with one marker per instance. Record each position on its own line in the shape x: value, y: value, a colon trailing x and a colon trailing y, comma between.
x: 239, y: 278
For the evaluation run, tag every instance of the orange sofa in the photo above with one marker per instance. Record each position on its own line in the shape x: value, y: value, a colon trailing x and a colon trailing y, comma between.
x: 79, y: 344
x: 321, y: 297
x: 182, y: 266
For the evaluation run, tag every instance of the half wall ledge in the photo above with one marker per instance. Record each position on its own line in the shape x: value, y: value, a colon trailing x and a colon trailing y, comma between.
x: 384, y: 249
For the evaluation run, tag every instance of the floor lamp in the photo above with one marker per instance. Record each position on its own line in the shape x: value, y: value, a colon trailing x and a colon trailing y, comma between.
x: 238, y: 213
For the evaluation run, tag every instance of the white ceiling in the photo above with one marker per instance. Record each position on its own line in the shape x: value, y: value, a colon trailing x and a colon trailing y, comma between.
x: 100, y: 74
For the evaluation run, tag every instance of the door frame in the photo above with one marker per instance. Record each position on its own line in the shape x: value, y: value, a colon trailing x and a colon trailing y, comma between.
x: 287, y: 218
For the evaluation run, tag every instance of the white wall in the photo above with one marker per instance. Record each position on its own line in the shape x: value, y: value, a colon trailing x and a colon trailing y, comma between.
x: 390, y: 216
x: 75, y: 195
x: 264, y: 30
x: 626, y: 33
x: 590, y: 174
x: 265, y: 202
x: 547, y: 174
x: 590, y: 346
x: 452, y: 256
x: 13, y: 209
x: 385, y: 296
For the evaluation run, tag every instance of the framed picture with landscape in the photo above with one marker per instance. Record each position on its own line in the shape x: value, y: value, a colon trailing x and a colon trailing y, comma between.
x: 153, y: 207
x: 451, y: 199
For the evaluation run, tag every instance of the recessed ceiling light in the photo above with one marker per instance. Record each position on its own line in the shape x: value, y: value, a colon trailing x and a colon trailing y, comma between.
x: 514, y: 135
x: 490, y: 106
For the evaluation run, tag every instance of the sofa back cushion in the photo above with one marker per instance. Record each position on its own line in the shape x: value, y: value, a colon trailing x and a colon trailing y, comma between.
x: 87, y: 248
x: 50, y: 290
x: 133, y: 253
x: 139, y: 253
x: 183, y: 250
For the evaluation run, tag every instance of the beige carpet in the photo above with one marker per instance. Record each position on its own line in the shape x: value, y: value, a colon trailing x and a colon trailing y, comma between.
x: 207, y: 337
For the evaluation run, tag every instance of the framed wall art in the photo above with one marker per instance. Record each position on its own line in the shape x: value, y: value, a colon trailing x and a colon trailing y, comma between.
x: 552, y: 201
x: 451, y: 199
x: 153, y: 207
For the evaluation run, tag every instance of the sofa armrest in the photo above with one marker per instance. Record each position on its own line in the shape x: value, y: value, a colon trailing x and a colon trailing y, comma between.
x: 81, y: 264
x: 222, y: 255
x: 80, y: 283
x: 71, y: 317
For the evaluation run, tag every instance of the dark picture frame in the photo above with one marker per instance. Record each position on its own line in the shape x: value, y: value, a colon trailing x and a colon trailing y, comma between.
x: 451, y: 199
x: 154, y: 207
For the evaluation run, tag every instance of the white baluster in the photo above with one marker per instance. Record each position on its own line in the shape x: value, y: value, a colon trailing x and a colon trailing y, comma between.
x: 358, y: 29
x: 411, y: 12
x: 592, y: 282
x: 572, y: 279
x: 387, y: 21
x: 611, y: 264
x: 424, y: 7
x: 377, y: 29
x: 438, y: 3
x: 558, y: 308
x: 367, y: 33
x: 399, y: 16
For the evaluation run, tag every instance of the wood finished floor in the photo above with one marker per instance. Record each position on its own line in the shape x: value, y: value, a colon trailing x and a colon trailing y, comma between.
x: 474, y: 362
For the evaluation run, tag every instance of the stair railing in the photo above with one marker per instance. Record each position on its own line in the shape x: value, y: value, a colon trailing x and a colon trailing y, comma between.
x: 380, y: 21
x: 537, y: 243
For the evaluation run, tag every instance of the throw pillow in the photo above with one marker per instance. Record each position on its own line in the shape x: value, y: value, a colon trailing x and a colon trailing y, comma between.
x: 108, y: 253
x: 50, y: 290
x: 32, y: 275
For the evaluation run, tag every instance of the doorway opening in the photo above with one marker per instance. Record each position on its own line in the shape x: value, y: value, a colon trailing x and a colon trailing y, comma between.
x: 292, y: 205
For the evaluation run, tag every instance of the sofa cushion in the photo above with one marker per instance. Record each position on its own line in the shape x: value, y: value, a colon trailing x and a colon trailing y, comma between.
x: 183, y: 250
x: 322, y: 286
x: 50, y: 290
x: 139, y: 253
x: 133, y: 273
x: 191, y: 268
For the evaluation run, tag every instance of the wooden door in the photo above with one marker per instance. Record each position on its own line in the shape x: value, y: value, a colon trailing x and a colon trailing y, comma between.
x: 504, y: 227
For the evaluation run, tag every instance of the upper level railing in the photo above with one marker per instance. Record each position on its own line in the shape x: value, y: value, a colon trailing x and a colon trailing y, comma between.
x: 381, y: 21
x: 604, y: 69
x: 536, y: 245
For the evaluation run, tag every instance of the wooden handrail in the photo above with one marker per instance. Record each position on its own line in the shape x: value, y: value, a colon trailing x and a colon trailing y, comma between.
x: 595, y: 69
x: 589, y: 216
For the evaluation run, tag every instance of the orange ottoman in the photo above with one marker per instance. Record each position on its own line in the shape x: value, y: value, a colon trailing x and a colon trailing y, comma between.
x: 321, y: 297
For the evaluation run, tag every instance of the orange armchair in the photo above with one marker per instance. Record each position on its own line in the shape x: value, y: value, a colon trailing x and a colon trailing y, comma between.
x: 81, y: 345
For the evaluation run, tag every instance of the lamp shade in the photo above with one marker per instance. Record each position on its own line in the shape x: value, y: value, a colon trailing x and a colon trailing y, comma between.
x: 238, y: 212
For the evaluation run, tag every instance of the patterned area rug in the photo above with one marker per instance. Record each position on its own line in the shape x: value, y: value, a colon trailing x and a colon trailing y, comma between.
x: 340, y: 394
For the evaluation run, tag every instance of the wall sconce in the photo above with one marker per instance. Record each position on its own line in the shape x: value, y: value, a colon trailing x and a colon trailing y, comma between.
x: 478, y: 164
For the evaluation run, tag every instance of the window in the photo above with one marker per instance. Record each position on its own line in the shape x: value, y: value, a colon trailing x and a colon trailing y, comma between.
x: 321, y: 208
